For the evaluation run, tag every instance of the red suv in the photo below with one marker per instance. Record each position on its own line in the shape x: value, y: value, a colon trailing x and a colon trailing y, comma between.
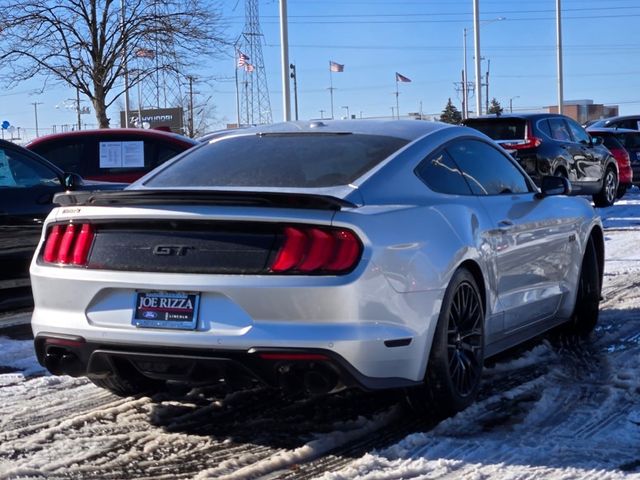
x: 111, y: 154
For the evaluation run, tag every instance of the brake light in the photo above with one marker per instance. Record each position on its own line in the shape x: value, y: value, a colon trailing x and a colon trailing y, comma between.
x: 317, y: 250
x: 529, y: 142
x: 69, y: 244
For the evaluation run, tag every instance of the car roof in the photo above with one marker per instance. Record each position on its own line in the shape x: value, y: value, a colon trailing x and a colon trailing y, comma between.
x: 619, y: 117
x: 522, y: 116
x: 406, y: 129
x: 109, y: 132
x: 611, y: 130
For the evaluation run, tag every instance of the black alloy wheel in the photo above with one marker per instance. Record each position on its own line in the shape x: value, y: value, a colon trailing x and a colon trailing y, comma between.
x: 456, y: 359
x: 464, y: 339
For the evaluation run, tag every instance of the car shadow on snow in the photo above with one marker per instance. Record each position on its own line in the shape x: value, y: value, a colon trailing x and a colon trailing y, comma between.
x: 516, y: 385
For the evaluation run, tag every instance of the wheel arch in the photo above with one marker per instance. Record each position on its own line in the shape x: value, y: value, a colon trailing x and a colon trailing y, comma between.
x: 476, y: 272
x: 597, y: 236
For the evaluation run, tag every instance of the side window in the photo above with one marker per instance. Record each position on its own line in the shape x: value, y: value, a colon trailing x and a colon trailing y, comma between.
x: 579, y: 134
x: 487, y: 170
x: 559, y: 130
x: 543, y: 126
x: 442, y: 175
x: 20, y: 171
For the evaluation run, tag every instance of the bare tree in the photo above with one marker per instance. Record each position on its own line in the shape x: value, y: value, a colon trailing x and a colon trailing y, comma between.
x: 88, y: 43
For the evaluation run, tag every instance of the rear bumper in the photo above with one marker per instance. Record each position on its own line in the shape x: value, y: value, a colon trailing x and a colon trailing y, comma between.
x: 358, y: 317
x: 316, y: 370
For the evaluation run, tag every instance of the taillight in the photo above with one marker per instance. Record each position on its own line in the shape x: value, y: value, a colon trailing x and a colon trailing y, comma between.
x: 68, y: 244
x: 529, y: 142
x: 621, y: 155
x: 309, y: 249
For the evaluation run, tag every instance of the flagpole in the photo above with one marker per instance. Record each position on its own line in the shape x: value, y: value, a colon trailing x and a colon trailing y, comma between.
x: 397, y: 101
x: 331, y: 88
x: 235, y: 67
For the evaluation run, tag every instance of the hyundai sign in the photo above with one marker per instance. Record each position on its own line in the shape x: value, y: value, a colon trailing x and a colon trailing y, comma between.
x: 157, y: 117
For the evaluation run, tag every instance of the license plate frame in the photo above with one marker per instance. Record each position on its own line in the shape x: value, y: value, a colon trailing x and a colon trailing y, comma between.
x: 166, y: 309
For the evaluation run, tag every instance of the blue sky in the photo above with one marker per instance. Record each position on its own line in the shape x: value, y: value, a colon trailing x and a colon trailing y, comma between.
x: 423, y: 41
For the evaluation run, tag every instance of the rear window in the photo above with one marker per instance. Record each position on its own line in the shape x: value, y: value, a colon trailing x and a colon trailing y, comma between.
x: 500, y: 128
x: 630, y: 140
x: 279, y: 160
x: 608, y: 140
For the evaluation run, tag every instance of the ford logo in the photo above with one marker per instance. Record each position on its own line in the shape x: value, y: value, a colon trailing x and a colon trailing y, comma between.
x: 149, y: 314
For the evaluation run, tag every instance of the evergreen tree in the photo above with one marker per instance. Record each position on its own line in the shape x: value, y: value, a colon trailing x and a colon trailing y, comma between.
x: 451, y: 114
x: 495, y: 107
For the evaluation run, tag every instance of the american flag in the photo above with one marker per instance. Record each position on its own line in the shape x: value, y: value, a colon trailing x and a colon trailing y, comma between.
x: 248, y: 67
x: 336, y: 67
x: 402, y: 78
x: 145, y: 53
x: 243, y: 60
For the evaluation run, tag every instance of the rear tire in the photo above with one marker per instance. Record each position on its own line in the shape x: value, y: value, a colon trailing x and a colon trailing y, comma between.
x: 587, y: 308
x: 457, y: 353
x: 606, y: 196
x: 622, y: 189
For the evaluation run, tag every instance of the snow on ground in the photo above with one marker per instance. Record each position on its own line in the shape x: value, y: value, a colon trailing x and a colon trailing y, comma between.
x: 557, y: 411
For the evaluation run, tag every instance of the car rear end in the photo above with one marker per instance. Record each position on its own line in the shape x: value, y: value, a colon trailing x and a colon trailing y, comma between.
x: 277, y: 287
x: 621, y: 155
x: 631, y: 142
x: 516, y: 135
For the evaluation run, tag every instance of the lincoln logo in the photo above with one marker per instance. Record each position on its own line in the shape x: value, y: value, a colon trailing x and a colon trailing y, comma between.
x: 173, y: 250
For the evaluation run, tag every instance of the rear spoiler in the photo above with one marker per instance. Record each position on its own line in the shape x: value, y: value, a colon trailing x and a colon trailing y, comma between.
x: 201, y: 197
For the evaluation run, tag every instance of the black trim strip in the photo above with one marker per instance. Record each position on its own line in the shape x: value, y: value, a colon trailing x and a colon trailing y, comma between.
x: 202, y: 197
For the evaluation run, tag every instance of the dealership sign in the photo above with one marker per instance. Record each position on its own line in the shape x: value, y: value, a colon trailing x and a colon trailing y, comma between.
x: 157, y: 117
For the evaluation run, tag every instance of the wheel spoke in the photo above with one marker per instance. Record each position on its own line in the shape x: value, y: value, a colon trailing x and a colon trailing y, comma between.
x: 476, y: 332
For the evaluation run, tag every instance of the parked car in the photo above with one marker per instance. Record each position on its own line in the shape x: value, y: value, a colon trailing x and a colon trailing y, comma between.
x: 551, y: 144
x: 614, y: 139
x: 322, y: 255
x: 111, y: 154
x: 630, y: 140
x: 630, y: 122
x: 27, y: 186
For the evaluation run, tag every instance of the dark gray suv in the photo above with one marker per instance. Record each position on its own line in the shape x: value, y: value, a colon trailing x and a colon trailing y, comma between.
x: 552, y: 144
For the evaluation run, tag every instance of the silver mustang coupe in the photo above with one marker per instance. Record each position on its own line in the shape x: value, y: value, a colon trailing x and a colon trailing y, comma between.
x: 317, y: 256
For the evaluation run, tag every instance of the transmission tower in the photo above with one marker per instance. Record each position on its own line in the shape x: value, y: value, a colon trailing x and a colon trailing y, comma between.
x: 254, y: 104
x: 163, y: 88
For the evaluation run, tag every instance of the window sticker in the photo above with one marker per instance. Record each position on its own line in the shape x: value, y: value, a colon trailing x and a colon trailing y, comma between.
x: 133, y: 154
x: 6, y: 175
x: 121, y: 154
x: 110, y: 154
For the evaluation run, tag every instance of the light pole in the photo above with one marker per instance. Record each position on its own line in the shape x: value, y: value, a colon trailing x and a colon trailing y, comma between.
x: 511, y: 103
x: 559, y: 55
x: 465, y: 76
x: 35, y: 109
x: 294, y: 76
x: 284, y: 42
x: 346, y: 107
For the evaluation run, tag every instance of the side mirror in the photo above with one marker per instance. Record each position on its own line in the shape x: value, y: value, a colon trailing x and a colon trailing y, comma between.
x: 552, y: 185
x: 595, y: 141
x: 71, y: 181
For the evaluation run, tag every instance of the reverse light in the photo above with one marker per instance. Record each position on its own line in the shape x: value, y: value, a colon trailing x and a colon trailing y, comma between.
x: 309, y: 249
x: 69, y: 244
